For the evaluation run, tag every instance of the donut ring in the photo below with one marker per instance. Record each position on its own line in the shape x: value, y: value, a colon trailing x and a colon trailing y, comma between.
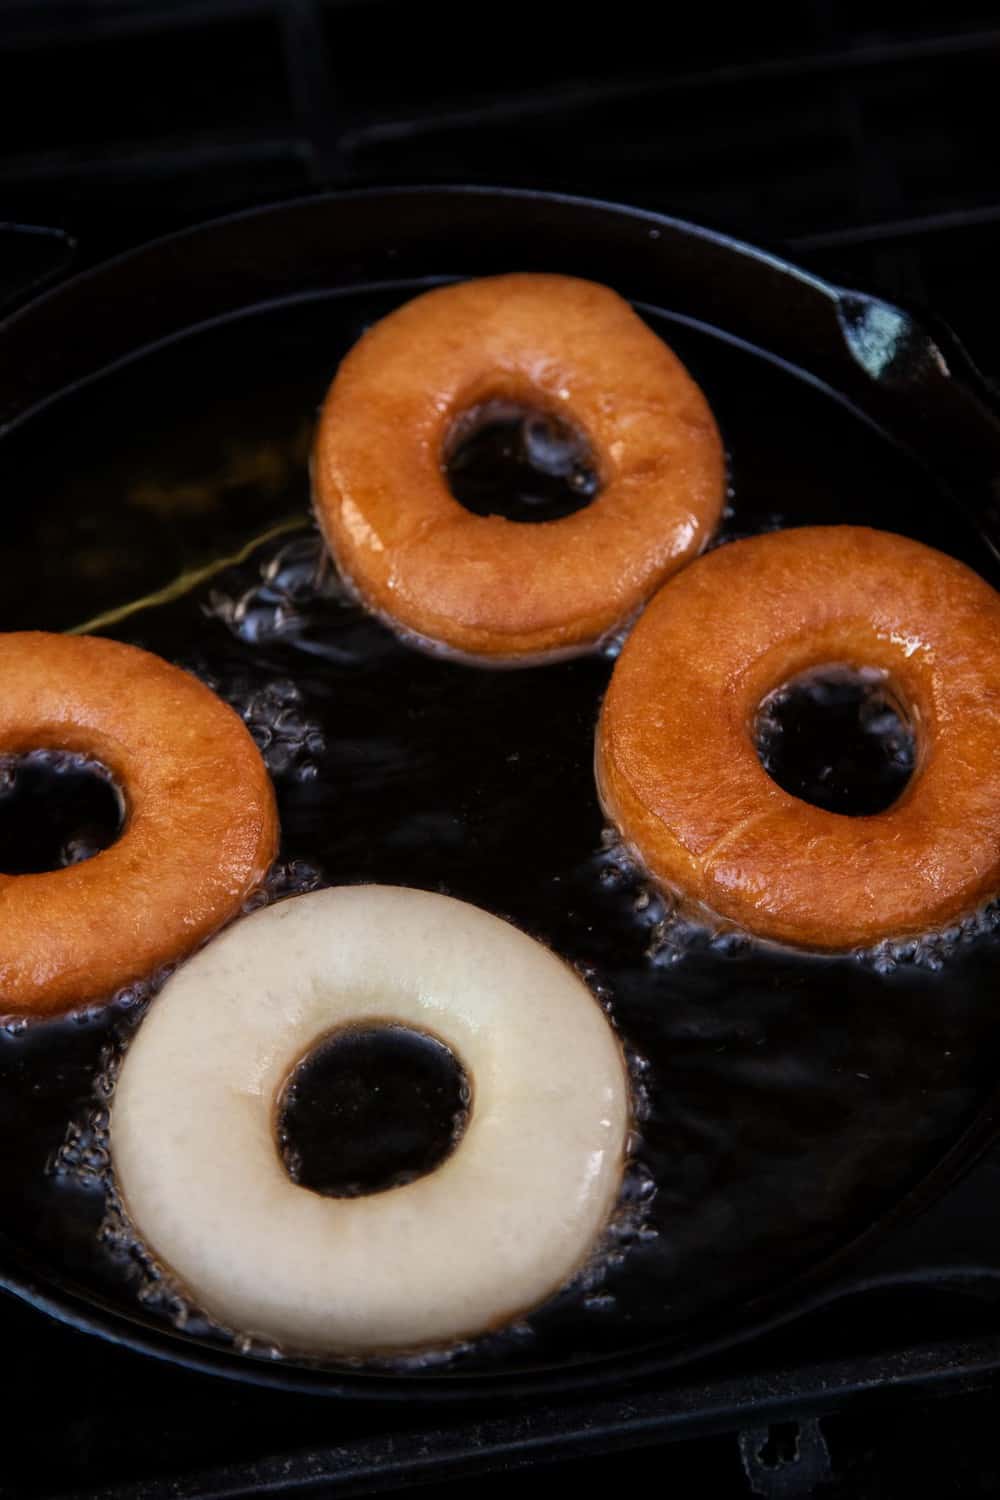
x: 500, y: 1224
x: 678, y: 771
x: 200, y: 821
x: 484, y: 586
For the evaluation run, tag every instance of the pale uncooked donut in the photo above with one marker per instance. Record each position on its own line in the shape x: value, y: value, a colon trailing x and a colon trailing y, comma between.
x: 503, y: 1222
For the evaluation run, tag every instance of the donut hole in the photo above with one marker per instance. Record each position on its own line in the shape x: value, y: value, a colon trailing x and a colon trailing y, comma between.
x: 56, y: 809
x: 838, y: 737
x: 503, y: 458
x: 371, y: 1108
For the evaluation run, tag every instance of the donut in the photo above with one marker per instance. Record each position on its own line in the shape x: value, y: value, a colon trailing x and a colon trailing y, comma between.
x: 500, y: 1224
x: 678, y: 771
x: 200, y: 823
x: 484, y: 586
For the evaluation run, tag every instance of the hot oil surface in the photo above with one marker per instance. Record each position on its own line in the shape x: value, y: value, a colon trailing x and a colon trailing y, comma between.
x: 791, y: 1099
x: 502, y: 459
x: 838, y: 738
x: 371, y: 1108
x: 56, y: 809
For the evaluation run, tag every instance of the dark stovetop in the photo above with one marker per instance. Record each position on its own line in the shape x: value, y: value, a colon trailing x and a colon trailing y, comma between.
x: 859, y: 140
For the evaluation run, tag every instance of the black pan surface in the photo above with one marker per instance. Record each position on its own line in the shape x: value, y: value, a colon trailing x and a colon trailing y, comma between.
x: 155, y: 467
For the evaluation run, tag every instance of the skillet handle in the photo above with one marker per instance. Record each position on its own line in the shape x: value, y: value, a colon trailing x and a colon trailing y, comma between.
x: 31, y: 256
x: 932, y: 395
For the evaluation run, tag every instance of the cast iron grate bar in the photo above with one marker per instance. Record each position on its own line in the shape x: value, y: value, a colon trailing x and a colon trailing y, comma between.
x: 548, y: 1434
x: 851, y: 235
x: 312, y: 89
x: 31, y: 24
x: 163, y: 158
x: 581, y: 95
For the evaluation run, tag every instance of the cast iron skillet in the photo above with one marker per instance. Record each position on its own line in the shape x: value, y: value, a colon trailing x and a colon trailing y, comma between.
x: 917, y: 388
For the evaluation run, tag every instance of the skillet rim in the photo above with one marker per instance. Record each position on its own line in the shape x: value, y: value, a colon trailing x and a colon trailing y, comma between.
x: 818, y: 1284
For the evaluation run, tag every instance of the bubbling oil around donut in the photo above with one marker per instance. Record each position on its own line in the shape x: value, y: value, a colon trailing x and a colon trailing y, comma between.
x: 505, y: 459
x: 56, y: 809
x: 371, y: 1108
x: 838, y: 737
x: 80, y: 1164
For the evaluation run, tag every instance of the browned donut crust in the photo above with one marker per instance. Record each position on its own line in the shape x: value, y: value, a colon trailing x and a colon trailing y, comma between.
x: 200, y: 820
x: 677, y: 767
x: 483, y: 585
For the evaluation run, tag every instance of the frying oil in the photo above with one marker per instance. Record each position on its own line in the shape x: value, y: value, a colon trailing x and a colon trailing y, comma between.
x: 785, y: 1100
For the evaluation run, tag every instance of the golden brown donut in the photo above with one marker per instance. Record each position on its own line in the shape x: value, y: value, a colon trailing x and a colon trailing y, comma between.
x: 482, y: 585
x: 200, y: 821
x: 677, y: 766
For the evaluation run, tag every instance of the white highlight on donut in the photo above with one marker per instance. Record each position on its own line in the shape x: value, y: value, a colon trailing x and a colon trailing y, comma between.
x: 497, y: 1227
